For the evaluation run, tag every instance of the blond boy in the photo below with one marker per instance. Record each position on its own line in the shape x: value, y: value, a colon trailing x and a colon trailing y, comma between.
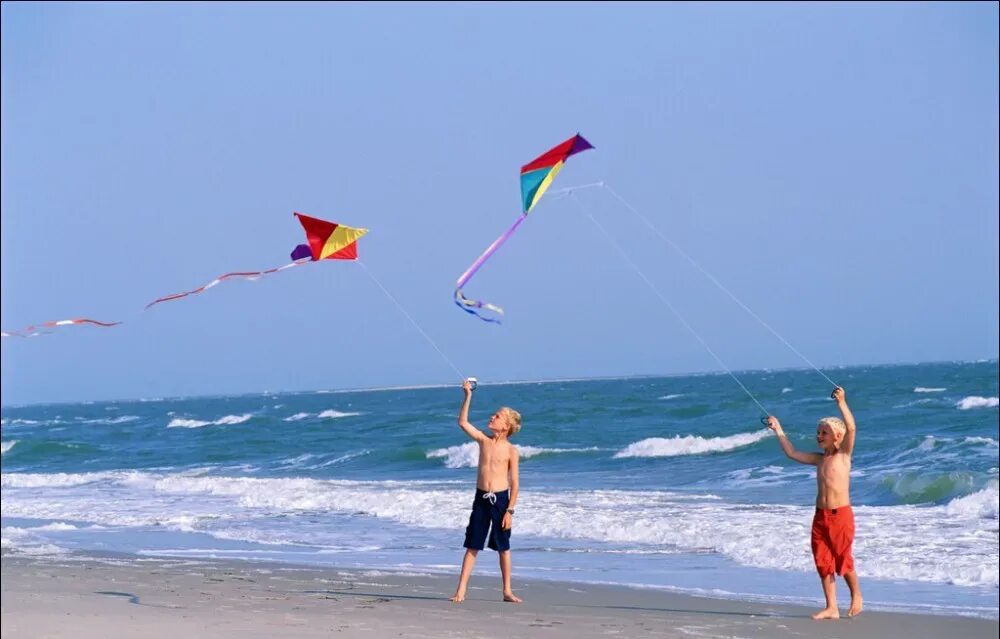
x: 496, y: 493
x: 833, y: 524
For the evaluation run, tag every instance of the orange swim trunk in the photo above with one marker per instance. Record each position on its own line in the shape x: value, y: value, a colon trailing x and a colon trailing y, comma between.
x: 832, y: 538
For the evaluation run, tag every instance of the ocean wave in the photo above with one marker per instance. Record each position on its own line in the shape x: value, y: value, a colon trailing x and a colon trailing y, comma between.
x: 300, y: 461
x: 335, y: 414
x: 228, y: 420
x: 56, y: 526
x: 5, y: 446
x: 673, y: 396
x: 974, y: 401
x: 689, y: 445
x: 921, y: 389
x: 56, y: 480
x: 916, y: 402
x: 764, y: 476
x: 327, y: 414
x: 984, y: 504
x: 122, y: 419
x: 981, y: 440
x: 893, y: 542
x: 921, y: 487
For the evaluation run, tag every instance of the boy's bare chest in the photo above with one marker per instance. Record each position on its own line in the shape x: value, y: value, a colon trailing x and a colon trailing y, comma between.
x: 494, y: 455
x: 833, y: 467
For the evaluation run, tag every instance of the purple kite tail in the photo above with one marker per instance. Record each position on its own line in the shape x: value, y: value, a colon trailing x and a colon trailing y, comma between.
x: 470, y: 305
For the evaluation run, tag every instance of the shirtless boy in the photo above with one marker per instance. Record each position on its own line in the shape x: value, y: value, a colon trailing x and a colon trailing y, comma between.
x: 833, y: 524
x: 496, y: 493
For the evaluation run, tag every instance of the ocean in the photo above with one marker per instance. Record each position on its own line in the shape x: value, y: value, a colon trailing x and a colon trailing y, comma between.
x: 655, y: 482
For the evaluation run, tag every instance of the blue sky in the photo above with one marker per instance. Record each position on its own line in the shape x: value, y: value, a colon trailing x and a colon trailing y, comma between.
x: 833, y: 165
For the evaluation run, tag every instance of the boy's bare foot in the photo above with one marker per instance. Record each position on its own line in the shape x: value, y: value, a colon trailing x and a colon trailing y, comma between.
x: 827, y: 613
x: 458, y: 598
x: 857, y: 605
x: 510, y: 597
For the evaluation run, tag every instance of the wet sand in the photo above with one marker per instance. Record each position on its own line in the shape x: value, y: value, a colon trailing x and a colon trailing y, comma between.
x: 86, y: 597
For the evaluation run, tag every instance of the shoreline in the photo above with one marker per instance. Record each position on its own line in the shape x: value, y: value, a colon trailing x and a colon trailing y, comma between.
x: 97, y: 595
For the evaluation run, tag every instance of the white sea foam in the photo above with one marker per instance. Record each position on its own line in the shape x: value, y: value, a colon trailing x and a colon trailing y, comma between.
x: 916, y: 402
x: 984, y: 504
x: 27, y: 541
x: 974, y: 401
x: 981, y: 440
x: 786, y: 390
x: 334, y: 414
x: 689, y: 445
x: 55, y: 480
x: 343, y: 458
x: 123, y: 419
x: 17, y: 531
x: 461, y: 456
x: 954, y: 543
x: 467, y: 455
x: 921, y: 389
x: 673, y: 396
x: 327, y: 414
x: 228, y: 420
x: 5, y: 446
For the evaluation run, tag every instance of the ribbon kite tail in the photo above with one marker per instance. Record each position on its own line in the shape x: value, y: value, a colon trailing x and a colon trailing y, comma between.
x: 473, y: 306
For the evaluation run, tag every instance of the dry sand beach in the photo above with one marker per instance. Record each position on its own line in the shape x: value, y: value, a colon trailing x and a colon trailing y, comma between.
x: 89, y: 597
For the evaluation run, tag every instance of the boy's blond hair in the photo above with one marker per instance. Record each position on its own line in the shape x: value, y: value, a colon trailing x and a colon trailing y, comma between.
x: 836, y: 424
x: 513, y: 420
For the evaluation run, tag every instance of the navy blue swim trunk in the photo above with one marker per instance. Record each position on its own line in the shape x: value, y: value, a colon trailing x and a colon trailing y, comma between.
x: 485, y: 521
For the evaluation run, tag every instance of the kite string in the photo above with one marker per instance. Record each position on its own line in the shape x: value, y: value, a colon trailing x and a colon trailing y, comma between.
x: 560, y: 193
x: 670, y: 306
x: 712, y: 278
x: 412, y: 321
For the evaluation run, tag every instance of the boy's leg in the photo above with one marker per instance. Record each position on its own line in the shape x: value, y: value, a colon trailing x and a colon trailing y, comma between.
x: 463, y: 580
x: 857, y: 603
x: 508, y: 594
x: 830, y: 592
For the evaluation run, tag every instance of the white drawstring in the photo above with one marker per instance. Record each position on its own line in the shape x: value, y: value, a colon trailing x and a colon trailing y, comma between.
x: 492, y: 496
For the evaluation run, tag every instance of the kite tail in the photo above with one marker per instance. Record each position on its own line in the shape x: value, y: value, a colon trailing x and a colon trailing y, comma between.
x: 250, y: 275
x: 470, y: 305
x: 33, y: 330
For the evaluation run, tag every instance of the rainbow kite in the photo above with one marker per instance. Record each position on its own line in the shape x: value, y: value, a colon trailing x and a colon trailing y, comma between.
x: 536, y: 178
x: 326, y: 241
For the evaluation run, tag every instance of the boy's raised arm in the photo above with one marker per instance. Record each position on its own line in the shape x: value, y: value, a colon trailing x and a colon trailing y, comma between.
x: 847, y: 447
x: 812, y: 459
x: 463, y: 415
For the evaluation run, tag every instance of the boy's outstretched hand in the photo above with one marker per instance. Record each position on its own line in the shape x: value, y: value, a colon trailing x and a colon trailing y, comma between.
x: 467, y: 387
x: 839, y: 395
x: 775, y: 425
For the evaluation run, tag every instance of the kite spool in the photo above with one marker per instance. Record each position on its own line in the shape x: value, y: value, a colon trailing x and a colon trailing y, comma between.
x: 472, y: 383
